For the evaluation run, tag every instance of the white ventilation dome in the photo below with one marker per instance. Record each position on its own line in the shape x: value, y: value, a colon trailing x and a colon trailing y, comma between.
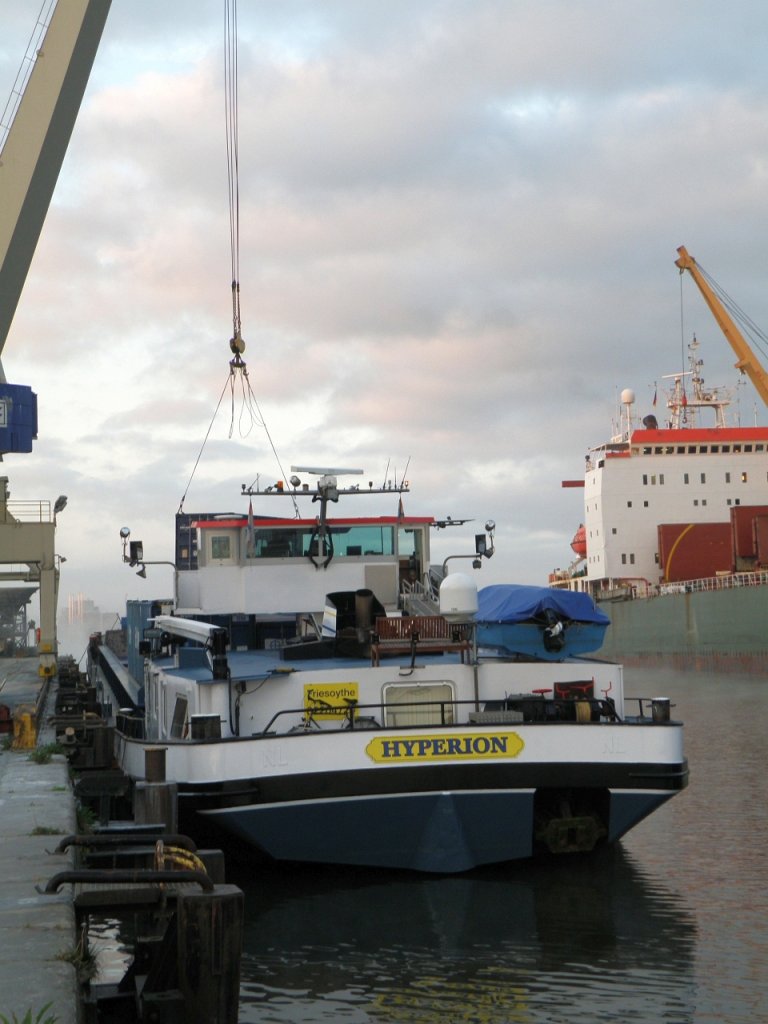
x: 628, y: 396
x: 458, y: 597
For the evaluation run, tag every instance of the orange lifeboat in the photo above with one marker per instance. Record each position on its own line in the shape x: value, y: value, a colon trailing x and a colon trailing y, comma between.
x: 579, y: 542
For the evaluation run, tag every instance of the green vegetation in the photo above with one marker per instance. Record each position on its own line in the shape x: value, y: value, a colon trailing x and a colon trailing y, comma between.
x: 86, y: 819
x: 81, y: 959
x: 41, y: 1017
x: 42, y: 755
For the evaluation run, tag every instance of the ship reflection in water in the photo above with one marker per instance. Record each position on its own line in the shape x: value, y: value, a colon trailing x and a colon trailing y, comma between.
x: 556, y: 941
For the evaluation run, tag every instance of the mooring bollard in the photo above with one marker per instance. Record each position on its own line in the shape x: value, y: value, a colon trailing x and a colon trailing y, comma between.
x: 156, y: 803
x: 24, y: 728
x: 154, y: 764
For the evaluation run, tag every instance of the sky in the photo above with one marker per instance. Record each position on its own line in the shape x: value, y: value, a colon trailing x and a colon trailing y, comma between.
x: 458, y: 227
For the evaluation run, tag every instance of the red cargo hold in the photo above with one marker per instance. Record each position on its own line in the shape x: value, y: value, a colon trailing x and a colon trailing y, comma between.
x: 760, y: 529
x: 742, y: 520
x: 691, y: 551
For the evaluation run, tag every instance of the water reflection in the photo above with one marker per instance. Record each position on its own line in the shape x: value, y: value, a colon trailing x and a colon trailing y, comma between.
x: 559, y: 941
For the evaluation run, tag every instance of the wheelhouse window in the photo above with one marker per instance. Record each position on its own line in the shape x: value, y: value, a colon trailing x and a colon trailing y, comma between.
x: 363, y: 540
x: 221, y: 547
x: 410, y: 541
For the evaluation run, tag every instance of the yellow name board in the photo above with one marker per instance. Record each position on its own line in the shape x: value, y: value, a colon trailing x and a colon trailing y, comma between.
x: 331, y: 700
x: 431, y: 747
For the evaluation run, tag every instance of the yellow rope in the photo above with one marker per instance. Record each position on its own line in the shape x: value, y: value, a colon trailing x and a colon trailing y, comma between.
x: 178, y: 857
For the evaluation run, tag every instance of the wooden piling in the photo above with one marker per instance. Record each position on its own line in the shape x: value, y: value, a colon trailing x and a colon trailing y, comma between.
x: 156, y: 803
x: 210, y: 939
x: 154, y: 764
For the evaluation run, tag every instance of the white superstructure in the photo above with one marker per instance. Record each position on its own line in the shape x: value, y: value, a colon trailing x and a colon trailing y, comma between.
x: 647, y: 485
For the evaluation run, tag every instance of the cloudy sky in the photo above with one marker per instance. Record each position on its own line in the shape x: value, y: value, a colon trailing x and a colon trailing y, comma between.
x: 458, y: 226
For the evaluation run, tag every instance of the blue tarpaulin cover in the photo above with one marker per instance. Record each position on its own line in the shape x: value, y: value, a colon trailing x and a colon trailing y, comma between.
x: 510, y: 602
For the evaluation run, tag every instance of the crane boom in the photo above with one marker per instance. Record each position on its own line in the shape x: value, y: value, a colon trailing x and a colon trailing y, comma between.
x: 30, y: 160
x: 34, y: 149
x: 747, y: 361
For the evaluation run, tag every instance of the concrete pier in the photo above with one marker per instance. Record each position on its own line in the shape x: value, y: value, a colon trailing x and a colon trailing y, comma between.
x: 36, y: 932
x: 37, y: 806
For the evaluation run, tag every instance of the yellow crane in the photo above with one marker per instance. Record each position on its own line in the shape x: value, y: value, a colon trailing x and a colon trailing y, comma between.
x: 35, y: 130
x: 747, y: 361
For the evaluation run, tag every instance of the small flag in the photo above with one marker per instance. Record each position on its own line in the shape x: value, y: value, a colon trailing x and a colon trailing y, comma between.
x: 654, y: 398
x: 249, y: 534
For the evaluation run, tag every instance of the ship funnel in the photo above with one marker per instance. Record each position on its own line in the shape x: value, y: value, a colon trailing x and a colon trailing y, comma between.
x: 363, y: 614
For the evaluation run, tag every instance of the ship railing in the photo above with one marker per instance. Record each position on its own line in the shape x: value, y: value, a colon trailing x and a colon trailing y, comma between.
x: 422, y: 596
x: 31, y: 511
x: 130, y: 722
x: 323, y: 717
x: 326, y: 717
x: 708, y: 583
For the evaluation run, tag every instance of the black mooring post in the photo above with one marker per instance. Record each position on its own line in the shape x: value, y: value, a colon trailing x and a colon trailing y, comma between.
x: 210, y: 940
x: 156, y: 803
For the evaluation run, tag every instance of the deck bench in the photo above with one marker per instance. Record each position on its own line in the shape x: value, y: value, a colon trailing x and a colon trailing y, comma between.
x: 427, y: 634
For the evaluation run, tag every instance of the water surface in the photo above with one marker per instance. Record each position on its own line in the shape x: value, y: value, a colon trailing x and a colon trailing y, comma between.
x: 668, y: 927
